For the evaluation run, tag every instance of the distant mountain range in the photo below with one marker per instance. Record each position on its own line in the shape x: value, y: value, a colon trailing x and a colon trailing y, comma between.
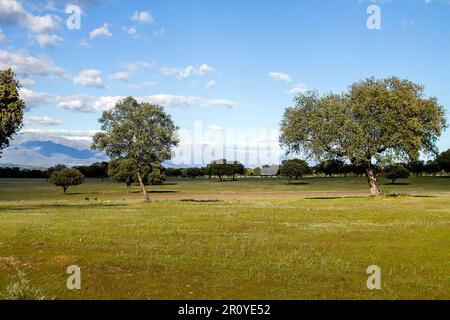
x: 42, y: 151
x: 39, y: 151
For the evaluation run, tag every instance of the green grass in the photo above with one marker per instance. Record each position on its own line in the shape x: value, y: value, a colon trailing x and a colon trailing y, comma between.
x: 251, y: 239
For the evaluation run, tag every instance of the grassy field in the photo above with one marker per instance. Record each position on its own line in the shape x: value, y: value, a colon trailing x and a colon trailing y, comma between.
x: 251, y: 239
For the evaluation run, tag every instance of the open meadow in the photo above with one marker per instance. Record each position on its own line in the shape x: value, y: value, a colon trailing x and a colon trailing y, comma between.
x: 250, y: 239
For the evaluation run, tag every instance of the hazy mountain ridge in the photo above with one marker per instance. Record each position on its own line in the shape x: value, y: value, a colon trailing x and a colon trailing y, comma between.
x: 39, y: 150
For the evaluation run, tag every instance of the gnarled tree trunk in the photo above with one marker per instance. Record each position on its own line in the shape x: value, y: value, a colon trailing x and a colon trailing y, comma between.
x: 375, y: 189
x: 144, y: 190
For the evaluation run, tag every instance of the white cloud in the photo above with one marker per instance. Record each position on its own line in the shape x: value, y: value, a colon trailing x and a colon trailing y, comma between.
x: 210, y: 84
x: 190, y: 71
x: 143, y: 16
x: 27, y: 82
x: 39, y: 24
x: 85, y: 103
x: 62, y: 132
x: 299, y: 88
x: 132, y: 31
x: 25, y: 65
x: 12, y: 13
x: 280, y: 76
x: 121, y: 76
x: 89, y: 78
x: 48, y: 40
x: 35, y: 99
x: 2, y: 35
x: 102, y: 32
x: 40, y: 121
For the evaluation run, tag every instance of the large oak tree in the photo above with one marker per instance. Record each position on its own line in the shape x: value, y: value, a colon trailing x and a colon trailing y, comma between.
x: 11, y: 107
x: 374, y: 121
x: 141, y: 133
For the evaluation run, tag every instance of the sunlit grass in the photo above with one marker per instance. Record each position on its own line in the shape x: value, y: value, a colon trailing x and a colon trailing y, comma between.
x: 254, y: 239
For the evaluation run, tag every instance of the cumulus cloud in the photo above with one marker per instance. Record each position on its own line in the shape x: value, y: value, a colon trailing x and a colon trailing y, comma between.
x: 35, y: 99
x: 121, y: 76
x: 190, y: 71
x: 299, y: 88
x: 48, y: 40
x: 40, y: 121
x: 25, y: 65
x: 102, y: 32
x: 142, y: 16
x: 90, y: 78
x: 280, y: 76
x: 12, y: 13
x: 86, y: 103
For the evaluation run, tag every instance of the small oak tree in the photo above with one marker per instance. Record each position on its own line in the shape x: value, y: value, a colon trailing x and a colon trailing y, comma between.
x: 294, y: 169
x: 67, y: 177
x: 376, y: 120
x: 395, y: 172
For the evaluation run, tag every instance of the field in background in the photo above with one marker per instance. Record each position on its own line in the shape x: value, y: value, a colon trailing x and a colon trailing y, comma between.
x: 251, y: 239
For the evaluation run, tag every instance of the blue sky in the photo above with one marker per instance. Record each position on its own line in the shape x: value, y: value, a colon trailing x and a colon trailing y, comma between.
x: 233, y: 64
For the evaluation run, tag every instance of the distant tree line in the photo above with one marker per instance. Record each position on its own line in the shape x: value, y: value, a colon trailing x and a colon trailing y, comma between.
x: 120, y: 171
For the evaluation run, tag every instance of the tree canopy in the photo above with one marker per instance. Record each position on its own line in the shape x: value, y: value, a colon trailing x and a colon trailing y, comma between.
x: 375, y: 121
x: 66, y: 177
x: 295, y: 168
x: 11, y: 107
x: 443, y: 161
x: 140, y: 132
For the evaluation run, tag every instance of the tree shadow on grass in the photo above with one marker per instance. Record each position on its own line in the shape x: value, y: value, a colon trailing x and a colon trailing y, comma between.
x: 297, y: 183
x: 397, y: 184
x: 334, y: 197
x: 44, y: 206
x: 154, y: 191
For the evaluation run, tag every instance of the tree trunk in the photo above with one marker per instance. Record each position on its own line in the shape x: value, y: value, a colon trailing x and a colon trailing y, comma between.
x: 375, y: 189
x: 144, y: 190
x: 128, y: 187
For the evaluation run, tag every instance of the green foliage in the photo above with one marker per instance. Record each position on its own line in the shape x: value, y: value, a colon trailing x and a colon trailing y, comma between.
x: 11, y: 107
x: 395, y: 172
x: 67, y: 177
x: 140, y: 132
x: 375, y: 121
x: 221, y: 168
x: 294, y: 169
x: 173, y: 172
x: 156, y: 176
x: 123, y: 171
x: 416, y: 167
x: 194, y: 173
x: 431, y: 167
x: 331, y: 167
x: 443, y: 160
